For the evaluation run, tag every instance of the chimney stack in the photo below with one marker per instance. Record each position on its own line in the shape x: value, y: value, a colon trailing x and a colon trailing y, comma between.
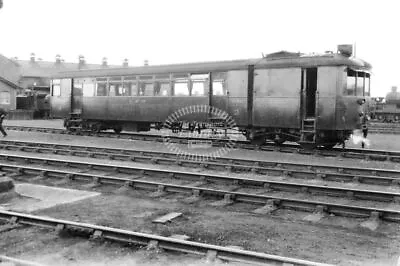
x: 81, y: 61
x: 58, y: 59
x: 32, y: 57
x: 104, y: 62
x: 146, y: 62
x: 125, y: 63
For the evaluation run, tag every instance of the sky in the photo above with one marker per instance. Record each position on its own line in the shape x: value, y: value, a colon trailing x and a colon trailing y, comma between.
x: 179, y: 31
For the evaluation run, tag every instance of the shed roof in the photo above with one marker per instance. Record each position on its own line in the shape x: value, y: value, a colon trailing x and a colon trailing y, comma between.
x: 39, y: 68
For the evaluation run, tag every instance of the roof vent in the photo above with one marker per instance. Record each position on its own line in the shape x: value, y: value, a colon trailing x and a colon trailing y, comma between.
x: 146, y: 62
x: 32, y: 57
x: 345, y: 49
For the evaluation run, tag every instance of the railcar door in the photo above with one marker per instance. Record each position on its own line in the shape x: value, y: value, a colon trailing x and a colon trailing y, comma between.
x: 219, y: 91
x: 309, y: 92
x: 309, y: 105
x: 60, y: 101
x: 76, y: 96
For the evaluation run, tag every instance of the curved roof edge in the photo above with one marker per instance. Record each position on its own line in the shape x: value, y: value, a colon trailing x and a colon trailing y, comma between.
x: 205, y: 67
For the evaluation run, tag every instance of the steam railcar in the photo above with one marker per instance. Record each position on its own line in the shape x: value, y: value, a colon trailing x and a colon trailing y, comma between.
x: 310, y: 99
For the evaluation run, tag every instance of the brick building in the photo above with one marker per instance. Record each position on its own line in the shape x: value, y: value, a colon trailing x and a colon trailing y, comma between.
x: 22, y: 77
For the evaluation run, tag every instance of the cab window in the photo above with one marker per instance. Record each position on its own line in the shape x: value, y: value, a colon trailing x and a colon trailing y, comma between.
x: 350, y: 83
x: 56, y: 87
x: 357, y: 83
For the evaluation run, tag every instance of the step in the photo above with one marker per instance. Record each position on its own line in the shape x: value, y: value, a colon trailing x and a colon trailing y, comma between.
x: 308, y: 131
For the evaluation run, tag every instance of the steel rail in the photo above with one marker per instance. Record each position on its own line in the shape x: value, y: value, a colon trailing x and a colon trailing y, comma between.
x: 167, y: 243
x: 368, y: 154
x: 363, y: 194
x: 385, y: 130
x: 300, y: 170
x: 226, y: 195
x: 17, y: 262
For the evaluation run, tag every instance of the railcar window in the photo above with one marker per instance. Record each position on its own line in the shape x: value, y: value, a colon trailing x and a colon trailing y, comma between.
x: 88, y: 89
x: 162, y: 77
x: 157, y: 88
x: 198, y: 88
x: 129, y: 86
x: 146, y: 89
x: 199, y: 84
x: 131, y: 89
x: 165, y: 89
x: 56, y: 90
x: 115, y: 88
x: 101, y: 89
x: 78, y: 87
x: 181, y: 89
x: 218, y: 88
x: 181, y: 76
x: 111, y: 90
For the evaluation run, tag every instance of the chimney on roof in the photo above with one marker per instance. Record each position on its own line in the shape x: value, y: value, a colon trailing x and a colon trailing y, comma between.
x: 104, y: 62
x: 32, y: 57
x: 146, y: 62
x: 81, y: 61
x: 125, y: 63
x: 58, y: 59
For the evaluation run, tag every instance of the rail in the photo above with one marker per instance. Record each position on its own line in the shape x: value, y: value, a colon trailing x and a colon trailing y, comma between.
x: 167, y: 243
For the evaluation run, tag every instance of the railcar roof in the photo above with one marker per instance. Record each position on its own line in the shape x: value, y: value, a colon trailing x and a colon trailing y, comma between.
x: 292, y: 60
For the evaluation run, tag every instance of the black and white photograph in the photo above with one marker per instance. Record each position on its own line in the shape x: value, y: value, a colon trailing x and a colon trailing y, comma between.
x: 196, y: 133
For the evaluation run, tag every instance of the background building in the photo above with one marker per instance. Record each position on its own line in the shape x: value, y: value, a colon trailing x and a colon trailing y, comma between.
x: 25, y: 83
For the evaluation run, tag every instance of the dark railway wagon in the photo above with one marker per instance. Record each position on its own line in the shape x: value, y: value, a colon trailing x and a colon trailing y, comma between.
x: 310, y: 99
x: 387, y: 109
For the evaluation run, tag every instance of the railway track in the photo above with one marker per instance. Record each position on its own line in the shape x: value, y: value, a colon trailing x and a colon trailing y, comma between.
x: 155, y: 241
x: 385, y: 128
x: 260, y: 189
x: 366, y: 154
x: 262, y: 167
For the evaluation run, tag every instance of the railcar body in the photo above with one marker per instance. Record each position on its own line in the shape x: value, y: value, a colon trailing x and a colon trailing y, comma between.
x: 313, y: 100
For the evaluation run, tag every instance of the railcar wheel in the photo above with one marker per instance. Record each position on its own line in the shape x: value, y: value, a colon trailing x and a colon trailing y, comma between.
x: 117, y: 129
x: 328, y: 146
x: 279, y: 141
x: 258, y: 140
x: 95, y: 128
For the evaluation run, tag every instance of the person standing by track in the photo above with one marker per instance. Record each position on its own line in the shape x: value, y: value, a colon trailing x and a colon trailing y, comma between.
x: 3, y: 114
